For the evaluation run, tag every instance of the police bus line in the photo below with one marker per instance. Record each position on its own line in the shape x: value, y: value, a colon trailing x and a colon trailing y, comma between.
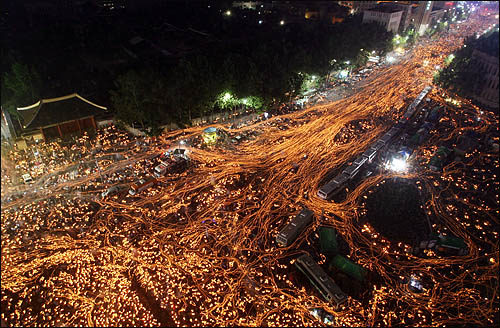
x: 317, y: 276
x: 336, y: 184
x: 319, y: 279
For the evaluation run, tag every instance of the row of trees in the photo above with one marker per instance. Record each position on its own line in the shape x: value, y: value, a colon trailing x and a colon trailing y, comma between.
x: 262, y: 71
x: 21, y: 86
x: 462, y: 75
x: 257, y: 70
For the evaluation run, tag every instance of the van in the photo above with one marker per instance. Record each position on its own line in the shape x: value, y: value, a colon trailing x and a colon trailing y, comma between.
x: 160, y: 170
x: 27, y: 178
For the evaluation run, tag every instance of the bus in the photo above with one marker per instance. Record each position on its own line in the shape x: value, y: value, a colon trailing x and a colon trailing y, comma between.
x: 292, y: 230
x: 141, y: 185
x: 320, y: 280
x: 333, y: 187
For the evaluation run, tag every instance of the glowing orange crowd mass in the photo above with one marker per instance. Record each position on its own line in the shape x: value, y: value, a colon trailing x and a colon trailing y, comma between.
x: 198, y: 248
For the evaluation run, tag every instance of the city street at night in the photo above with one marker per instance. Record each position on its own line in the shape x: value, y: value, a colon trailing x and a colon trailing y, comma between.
x: 401, y: 172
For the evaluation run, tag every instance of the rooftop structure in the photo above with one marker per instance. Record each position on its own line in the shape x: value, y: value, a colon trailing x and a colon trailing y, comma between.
x: 385, y: 15
x: 59, y: 116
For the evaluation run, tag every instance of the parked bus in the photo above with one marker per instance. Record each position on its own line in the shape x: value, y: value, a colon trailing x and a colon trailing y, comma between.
x: 320, y: 280
x: 292, y: 230
x: 333, y: 187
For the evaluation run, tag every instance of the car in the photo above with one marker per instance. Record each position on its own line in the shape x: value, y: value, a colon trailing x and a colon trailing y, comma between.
x: 27, y: 178
x: 160, y: 170
x: 110, y: 191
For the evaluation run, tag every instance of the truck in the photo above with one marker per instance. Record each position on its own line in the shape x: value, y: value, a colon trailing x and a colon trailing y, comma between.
x: 141, y: 185
x: 443, y: 244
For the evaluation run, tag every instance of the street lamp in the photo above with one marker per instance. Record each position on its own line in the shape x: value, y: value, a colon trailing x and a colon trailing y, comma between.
x: 228, y: 13
x: 282, y: 22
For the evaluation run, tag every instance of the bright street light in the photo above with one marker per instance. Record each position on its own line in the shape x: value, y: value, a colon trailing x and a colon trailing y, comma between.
x: 348, y: 62
x: 260, y: 22
x: 397, y: 165
x: 228, y: 13
x: 227, y: 96
x: 282, y: 22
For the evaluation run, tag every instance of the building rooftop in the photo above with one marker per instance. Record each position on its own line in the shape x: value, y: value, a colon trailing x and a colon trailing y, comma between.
x: 58, y: 110
x: 385, y: 9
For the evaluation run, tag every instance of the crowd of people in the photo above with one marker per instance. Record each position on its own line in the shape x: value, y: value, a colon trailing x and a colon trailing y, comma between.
x: 199, y: 250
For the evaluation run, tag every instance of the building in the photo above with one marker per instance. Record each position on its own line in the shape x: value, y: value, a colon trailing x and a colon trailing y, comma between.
x: 421, y: 16
x: 358, y: 7
x: 246, y: 4
x: 436, y: 15
x: 325, y: 11
x: 59, y: 117
x: 8, y: 130
x: 55, y: 11
x: 486, y: 92
x: 109, y: 7
x: 406, y: 7
x: 385, y: 15
x: 443, y: 4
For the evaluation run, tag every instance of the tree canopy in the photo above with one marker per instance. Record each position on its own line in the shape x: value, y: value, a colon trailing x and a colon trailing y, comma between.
x: 267, y: 68
x: 20, y: 86
x: 461, y: 75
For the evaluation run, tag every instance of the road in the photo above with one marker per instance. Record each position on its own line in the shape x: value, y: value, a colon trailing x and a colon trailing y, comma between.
x: 202, y: 245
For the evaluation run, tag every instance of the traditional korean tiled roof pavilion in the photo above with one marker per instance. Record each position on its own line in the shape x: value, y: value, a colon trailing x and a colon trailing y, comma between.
x: 57, y: 117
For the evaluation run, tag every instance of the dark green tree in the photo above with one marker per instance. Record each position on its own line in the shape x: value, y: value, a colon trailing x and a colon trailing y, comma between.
x: 130, y: 97
x: 20, y: 87
x: 462, y: 75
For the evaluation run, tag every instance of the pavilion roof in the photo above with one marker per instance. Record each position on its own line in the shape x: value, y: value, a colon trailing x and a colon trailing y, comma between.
x: 53, y: 111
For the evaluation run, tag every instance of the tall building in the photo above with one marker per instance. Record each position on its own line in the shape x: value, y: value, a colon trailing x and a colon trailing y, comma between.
x: 486, y: 92
x: 406, y: 7
x: 385, y: 15
x: 421, y: 16
x: 8, y: 129
x: 436, y: 15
